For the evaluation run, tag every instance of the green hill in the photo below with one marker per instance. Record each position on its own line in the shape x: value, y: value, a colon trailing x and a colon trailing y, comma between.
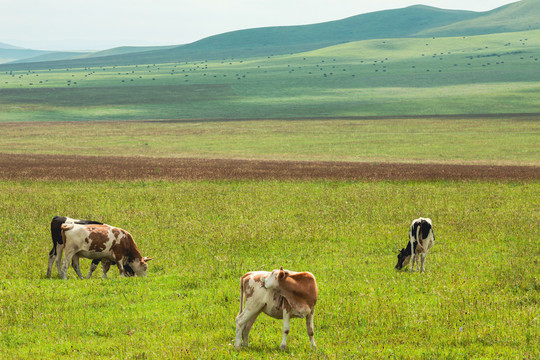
x: 268, y: 41
x: 7, y: 46
x: 51, y: 56
x: 8, y: 55
x: 519, y: 16
x: 411, y: 22
x: 484, y: 74
x: 123, y: 50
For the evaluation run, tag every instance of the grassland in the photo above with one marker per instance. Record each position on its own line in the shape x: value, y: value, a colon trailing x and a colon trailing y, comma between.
x: 472, y: 75
x: 466, y: 140
x: 478, y: 299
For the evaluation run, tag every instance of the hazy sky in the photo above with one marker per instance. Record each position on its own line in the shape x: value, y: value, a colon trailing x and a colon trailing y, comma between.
x: 100, y: 24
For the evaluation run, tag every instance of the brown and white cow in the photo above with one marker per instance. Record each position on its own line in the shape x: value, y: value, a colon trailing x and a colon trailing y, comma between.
x: 58, y: 244
x: 107, y: 243
x: 281, y: 294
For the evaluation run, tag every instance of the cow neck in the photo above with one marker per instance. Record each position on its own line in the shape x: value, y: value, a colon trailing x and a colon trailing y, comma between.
x: 299, y: 288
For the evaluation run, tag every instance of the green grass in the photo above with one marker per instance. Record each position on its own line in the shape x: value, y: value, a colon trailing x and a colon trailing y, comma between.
x: 478, y: 299
x: 509, y: 141
x: 471, y: 75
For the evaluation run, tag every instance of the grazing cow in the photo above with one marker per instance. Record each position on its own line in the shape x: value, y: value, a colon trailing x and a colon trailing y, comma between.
x: 107, y: 243
x: 421, y: 239
x: 56, y: 234
x: 281, y: 294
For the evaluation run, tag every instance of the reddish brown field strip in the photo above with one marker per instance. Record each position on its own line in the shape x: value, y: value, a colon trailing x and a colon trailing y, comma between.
x: 63, y: 167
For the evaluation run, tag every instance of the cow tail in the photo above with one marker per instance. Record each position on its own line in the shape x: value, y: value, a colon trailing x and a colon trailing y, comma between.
x: 241, y: 295
x: 67, y: 226
x: 419, y: 246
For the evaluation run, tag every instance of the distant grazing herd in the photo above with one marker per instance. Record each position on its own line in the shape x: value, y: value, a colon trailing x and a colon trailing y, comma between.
x: 281, y: 294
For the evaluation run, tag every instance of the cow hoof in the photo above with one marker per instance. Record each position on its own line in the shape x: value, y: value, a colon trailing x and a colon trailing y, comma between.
x: 283, y: 347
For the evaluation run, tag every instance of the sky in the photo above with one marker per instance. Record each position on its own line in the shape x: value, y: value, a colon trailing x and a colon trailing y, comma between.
x: 103, y: 24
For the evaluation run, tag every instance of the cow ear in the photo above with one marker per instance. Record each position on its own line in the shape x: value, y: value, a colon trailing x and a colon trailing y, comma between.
x: 281, y: 268
x: 281, y: 274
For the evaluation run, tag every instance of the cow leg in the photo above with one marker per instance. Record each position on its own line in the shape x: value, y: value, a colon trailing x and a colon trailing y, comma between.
x: 105, y: 265
x: 76, y: 266
x: 93, y: 267
x: 65, y: 263
x: 286, y: 329
x: 59, y: 253
x: 52, y: 258
x: 424, y: 255
x: 413, y: 259
x: 120, y: 267
x: 309, y: 325
x: 244, y: 321
x: 247, y: 328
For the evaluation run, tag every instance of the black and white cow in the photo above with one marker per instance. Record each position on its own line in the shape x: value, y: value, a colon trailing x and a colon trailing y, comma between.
x: 421, y: 239
x: 58, y: 244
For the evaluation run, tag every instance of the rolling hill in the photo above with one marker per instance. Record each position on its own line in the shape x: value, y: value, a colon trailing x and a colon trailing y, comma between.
x: 409, y: 22
x: 7, y: 46
x: 519, y: 16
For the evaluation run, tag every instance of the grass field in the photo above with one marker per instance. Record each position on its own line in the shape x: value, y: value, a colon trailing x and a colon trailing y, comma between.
x: 464, y: 75
x: 468, y: 140
x: 478, y: 299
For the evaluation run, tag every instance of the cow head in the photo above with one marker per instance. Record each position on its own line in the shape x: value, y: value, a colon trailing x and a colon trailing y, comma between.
x: 139, y: 266
x: 403, y: 258
x: 273, y: 279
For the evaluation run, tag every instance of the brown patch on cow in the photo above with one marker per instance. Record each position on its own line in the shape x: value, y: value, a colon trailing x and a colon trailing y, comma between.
x: 258, y: 277
x: 98, y: 239
x: 248, y: 290
x: 116, y: 232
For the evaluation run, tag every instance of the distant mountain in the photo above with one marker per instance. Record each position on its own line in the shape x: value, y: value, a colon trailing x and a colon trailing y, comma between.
x: 519, y: 16
x: 7, y: 46
x: 287, y: 39
x: 413, y: 21
x: 126, y: 50
x: 292, y: 39
x: 9, y: 55
x: 51, y: 56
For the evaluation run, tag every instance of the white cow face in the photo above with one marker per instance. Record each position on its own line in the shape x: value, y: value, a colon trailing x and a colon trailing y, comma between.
x: 272, y: 280
x: 140, y: 266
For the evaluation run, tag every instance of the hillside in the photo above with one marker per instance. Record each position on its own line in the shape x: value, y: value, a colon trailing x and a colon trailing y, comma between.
x: 7, y: 46
x: 48, y: 56
x: 268, y: 41
x: 125, y: 50
x: 14, y: 54
x: 519, y: 16
x: 414, y: 21
x: 385, y: 77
